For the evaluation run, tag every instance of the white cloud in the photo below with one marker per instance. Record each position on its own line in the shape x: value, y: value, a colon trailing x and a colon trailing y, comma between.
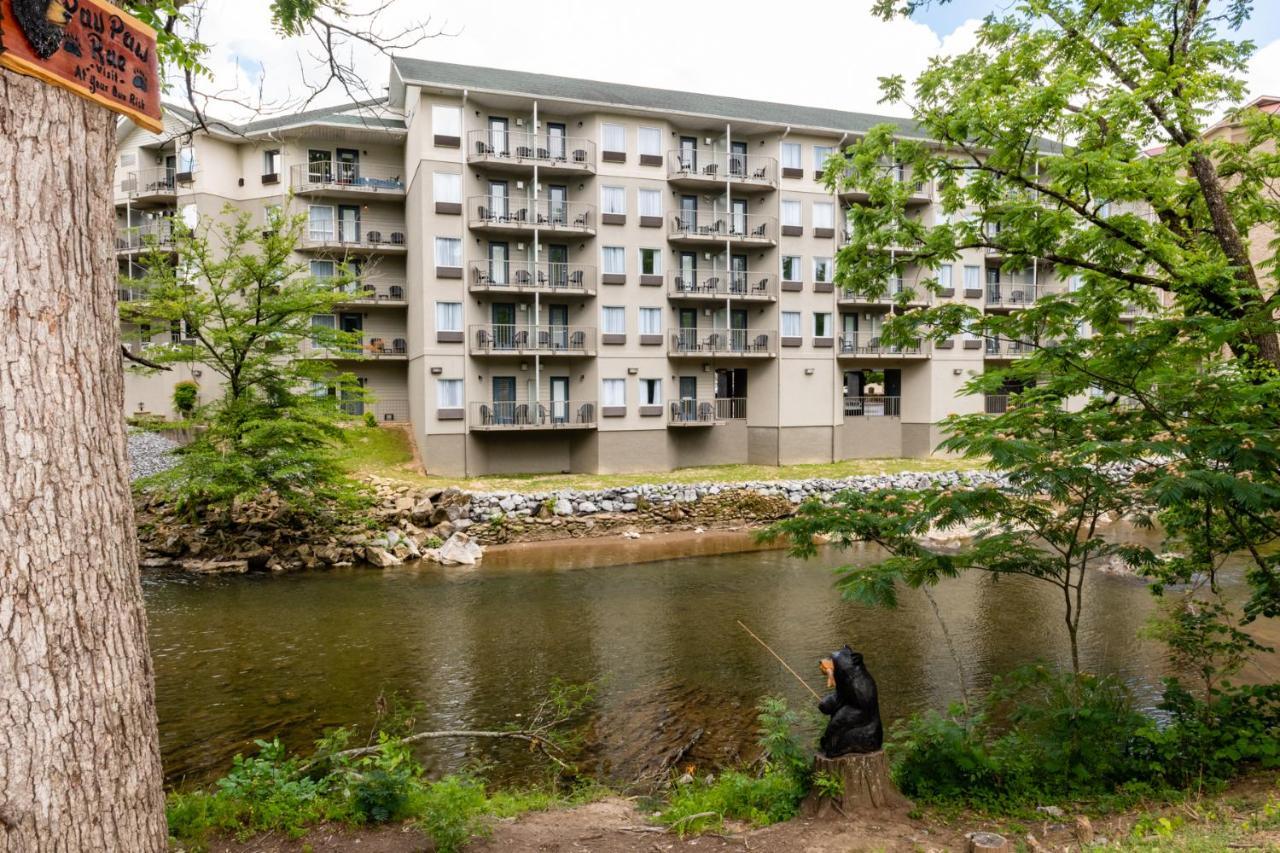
x: 1263, y: 77
x: 825, y: 55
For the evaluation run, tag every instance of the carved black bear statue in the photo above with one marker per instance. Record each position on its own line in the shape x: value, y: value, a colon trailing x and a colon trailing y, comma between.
x: 854, y: 707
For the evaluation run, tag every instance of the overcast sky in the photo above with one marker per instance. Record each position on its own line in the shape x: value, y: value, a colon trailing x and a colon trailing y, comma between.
x: 817, y: 54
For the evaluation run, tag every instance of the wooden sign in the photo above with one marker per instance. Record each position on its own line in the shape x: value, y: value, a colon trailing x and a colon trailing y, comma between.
x: 88, y: 47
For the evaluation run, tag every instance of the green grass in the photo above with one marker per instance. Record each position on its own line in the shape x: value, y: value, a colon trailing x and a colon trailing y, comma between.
x: 384, y: 452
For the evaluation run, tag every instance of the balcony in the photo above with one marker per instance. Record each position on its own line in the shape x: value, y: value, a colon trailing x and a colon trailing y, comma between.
x: 381, y: 292
x: 140, y: 239
x: 509, y: 416
x: 347, y: 180
x: 1002, y: 348
x: 156, y: 187
x: 1017, y: 293
x: 704, y: 170
x: 369, y: 347
x: 522, y: 216
x: 995, y: 404
x: 129, y: 290
x: 705, y: 413
x: 506, y: 277
x: 384, y: 409
x: 873, y: 407
x: 918, y: 191
x: 512, y: 340
x: 519, y: 151
x: 719, y: 285
x: 869, y: 345
x: 896, y: 287
x: 735, y: 343
x: 739, y: 229
x: 366, y: 235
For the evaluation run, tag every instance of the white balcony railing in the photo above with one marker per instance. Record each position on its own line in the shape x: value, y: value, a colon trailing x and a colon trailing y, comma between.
x: 723, y: 341
x: 719, y: 284
x: 723, y: 225
x: 519, y: 147
x: 510, y: 339
x: 704, y: 165
x: 524, y: 213
x: 341, y: 176
x: 548, y: 276
x: 870, y: 343
x: 529, y: 414
x: 690, y: 411
x: 873, y: 407
x: 360, y: 233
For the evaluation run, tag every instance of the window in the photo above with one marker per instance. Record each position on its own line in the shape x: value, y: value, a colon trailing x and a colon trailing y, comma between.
x: 128, y: 158
x: 791, y: 268
x: 822, y: 269
x: 322, y: 321
x: 446, y: 121
x: 449, y: 393
x: 651, y: 392
x: 448, y: 316
x: 447, y: 187
x: 320, y: 222
x: 273, y: 216
x: 613, y: 320
x: 614, y: 259
x: 186, y: 159
x: 790, y: 324
x: 649, y: 140
x: 650, y: 321
x: 791, y: 213
x: 613, y: 137
x: 944, y: 276
x: 613, y: 392
x: 448, y: 252
x: 322, y: 269
x: 821, y: 324
x: 613, y: 199
x: 271, y: 161
x: 791, y: 155
x: 650, y: 262
x: 972, y: 278
x: 823, y: 214
x: 820, y: 155
x: 650, y: 202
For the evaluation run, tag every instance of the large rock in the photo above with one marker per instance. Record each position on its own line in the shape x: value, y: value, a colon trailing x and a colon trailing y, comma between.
x: 562, y: 506
x: 380, y: 557
x: 422, y: 511
x: 216, y: 567
x: 459, y: 550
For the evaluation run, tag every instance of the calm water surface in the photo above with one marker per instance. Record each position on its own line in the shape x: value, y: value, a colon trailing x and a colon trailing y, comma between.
x: 258, y: 657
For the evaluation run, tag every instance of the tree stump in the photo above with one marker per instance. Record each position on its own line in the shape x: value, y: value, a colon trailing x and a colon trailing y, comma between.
x: 867, y: 788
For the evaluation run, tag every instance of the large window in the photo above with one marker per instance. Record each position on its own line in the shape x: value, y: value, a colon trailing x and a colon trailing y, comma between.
x: 790, y: 324
x: 447, y: 187
x: 613, y: 199
x: 972, y: 278
x: 650, y: 321
x: 446, y: 121
x: 614, y: 259
x: 823, y: 214
x: 651, y: 392
x: 650, y: 262
x: 821, y: 324
x: 945, y: 276
x: 320, y: 222
x: 791, y: 268
x: 650, y: 202
x: 321, y: 321
x: 791, y: 213
x: 613, y: 392
x: 323, y: 269
x: 186, y: 159
x: 271, y: 161
x: 613, y: 320
x: 820, y: 155
x: 448, y: 252
x: 449, y: 393
x: 613, y: 137
x: 791, y: 155
x: 649, y: 140
x: 448, y: 316
x: 822, y: 269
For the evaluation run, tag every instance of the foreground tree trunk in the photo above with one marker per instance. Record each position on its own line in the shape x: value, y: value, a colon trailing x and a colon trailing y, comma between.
x: 79, y: 756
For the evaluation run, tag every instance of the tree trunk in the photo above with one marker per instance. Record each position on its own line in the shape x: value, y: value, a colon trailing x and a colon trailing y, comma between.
x: 79, y: 755
x: 867, y: 789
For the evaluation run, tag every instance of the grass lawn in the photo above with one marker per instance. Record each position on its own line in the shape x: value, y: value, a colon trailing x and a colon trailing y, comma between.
x: 384, y: 452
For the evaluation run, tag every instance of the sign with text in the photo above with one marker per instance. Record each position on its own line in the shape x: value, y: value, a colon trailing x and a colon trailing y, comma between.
x: 88, y: 47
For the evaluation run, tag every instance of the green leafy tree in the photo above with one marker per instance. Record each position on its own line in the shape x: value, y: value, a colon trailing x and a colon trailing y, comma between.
x: 247, y: 308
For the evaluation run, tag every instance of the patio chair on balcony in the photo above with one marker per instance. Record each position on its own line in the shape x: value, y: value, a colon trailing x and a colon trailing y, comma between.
x: 873, y: 345
x: 524, y: 151
x: 579, y: 155
x: 706, y: 412
x: 580, y: 221
x: 396, y: 292
x: 710, y: 169
x: 1018, y: 296
x: 586, y: 414
x: 760, y: 174
x: 683, y: 164
x: 523, y: 277
x: 761, y: 343
x: 397, y: 238
x: 520, y: 215
x: 761, y: 287
x: 711, y: 284
x: 373, y: 236
x: 715, y: 343
x: 376, y: 345
x: 399, y: 346
x: 520, y: 339
x: 483, y: 147
x: 577, y: 278
x: 578, y: 341
x: 368, y: 291
x: 544, y: 339
x: 716, y: 227
x: 483, y: 339
x: 486, y: 416
x: 760, y: 230
x: 522, y: 414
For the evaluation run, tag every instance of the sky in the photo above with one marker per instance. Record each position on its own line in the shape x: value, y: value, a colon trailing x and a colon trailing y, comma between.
x: 827, y: 55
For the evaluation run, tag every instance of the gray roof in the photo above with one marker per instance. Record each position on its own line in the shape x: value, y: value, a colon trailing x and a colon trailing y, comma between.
x: 475, y: 78
x: 338, y: 114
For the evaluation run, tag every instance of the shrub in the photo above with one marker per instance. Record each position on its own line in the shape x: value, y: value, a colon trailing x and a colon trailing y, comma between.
x: 370, y: 420
x: 452, y: 810
x: 185, y: 396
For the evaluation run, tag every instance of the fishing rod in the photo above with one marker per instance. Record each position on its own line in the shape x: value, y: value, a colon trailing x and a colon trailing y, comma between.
x: 780, y: 660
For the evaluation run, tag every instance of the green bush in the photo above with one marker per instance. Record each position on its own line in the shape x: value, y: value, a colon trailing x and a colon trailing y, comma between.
x: 185, y: 396
x: 452, y: 810
x: 370, y: 420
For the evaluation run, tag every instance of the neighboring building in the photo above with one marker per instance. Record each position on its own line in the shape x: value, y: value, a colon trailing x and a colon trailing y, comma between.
x: 569, y: 275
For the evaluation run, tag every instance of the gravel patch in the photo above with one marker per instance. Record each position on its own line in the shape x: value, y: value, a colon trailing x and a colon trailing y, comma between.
x: 149, y: 454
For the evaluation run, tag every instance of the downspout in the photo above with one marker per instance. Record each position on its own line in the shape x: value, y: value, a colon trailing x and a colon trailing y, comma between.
x: 778, y: 396
x: 466, y: 306
x: 840, y: 221
x: 537, y: 301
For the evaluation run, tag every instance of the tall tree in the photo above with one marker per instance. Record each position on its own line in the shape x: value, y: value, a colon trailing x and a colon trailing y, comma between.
x: 79, y: 755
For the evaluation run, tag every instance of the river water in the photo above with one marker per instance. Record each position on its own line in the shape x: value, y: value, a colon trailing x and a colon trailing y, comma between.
x: 247, y: 657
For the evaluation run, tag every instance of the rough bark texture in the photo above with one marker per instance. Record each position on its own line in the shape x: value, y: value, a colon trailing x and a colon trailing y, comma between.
x: 868, y: 790
x: 79, y: 756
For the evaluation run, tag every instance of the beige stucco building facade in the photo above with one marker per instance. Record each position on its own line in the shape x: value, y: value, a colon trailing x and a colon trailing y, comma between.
x: 568, y: 275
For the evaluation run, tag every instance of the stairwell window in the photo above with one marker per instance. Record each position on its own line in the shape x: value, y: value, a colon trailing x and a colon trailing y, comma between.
x: 448, y: 393
x: 945, y: 275
x: 613, y: 138
x: 823, y: 215
x: 821, y: 324
x: 613, y: 200
x: 446, y: 120
x: 613, y: 320
x: 820, y: 155
x: 448, y: 316
x: 613, y: 260
x: 446, y: 187
x: 613, y: 392
x: 327, y: 322
x: 650, y: 262
x: 271, y: 162
x: 650, y: 202
x: 791, y: 268
x: 448, y: 252
x: 792, y: 155
x: 651, y: 392
x: 790, y: 324
x: 822, y: 270
x: 186, y: 160
x: 650, y: 321
x: 972, y: 278
x: 649, y: 142
x: 791, y: 214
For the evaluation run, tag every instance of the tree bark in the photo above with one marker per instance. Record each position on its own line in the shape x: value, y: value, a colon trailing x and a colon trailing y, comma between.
x: 868, y: 790
x: 79, y: 755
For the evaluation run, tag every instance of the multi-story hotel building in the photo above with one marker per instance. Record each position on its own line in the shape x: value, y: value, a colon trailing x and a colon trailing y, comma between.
x: 569, y: 275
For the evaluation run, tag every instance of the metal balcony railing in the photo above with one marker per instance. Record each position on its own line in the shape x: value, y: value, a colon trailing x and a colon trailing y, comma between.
x: 694, y: 411
x: 523, y: 213
x: 504, y: 339
x: 369, y: 346
x: 711, y: 225
x: 521, y: 147
x: 702, y: 164
x: 723, y: 341
x: 158, y: 181
x: 893, y: 290
x: 919, y: 190
x: 873, y: 407
x: 384, y: 409
x: 1013, y: 294
x: 528, y: 414
x: 342, y: 176
x: 361, y: 233
x: 1004, y: 348
x: 141, y: 237
x: 720, y: 284
x: 375, y: 291
x: 550, y: 276
x: 995, y: 404
x: 870, y: 343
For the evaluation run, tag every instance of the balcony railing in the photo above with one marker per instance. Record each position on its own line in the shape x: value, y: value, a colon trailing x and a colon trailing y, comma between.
x: 518, y: 148
x: 873, y: 407
x: 716, y: 226
x: 141, y: 237
x: 1012, y: 294
x: 128, y: 290
x: 527, y: 414
x: 723, y: 284
x: 1003, y: 348
x: 704, y: 166
x: 694, y: 412
x: 504, y: 339
x: 340, y: 176
x: 870, y: 344
x: 384, y: 409
x: 743, y: 342
x: 893, y: 290
x: 374, y: 291
x: 372, y: 346
x: 524, y: 276
x: 363, y: 233
x: 157, y: 181
x: 920, y: 191
x: 524, y: 214
x: 995, y: 404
